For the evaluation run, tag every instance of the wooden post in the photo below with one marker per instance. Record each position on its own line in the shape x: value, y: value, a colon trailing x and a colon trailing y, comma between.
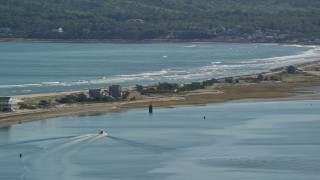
x: 150, y: 108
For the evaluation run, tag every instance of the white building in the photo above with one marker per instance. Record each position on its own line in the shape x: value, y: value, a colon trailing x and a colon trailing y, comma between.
x: 57, y: 30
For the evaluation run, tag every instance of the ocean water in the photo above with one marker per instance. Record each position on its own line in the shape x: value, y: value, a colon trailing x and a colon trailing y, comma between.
x: 28, y: 68
x: 236, y: 140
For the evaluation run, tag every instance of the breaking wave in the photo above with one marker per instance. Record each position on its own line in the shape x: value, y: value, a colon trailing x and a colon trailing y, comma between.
x: 215, y: 69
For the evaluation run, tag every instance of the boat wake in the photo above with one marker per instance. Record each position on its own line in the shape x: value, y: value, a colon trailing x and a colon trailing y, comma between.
x: 77, y: 140
x: 60, y: 150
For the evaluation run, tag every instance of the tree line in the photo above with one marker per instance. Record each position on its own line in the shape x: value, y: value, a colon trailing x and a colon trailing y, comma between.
x: 151, y: 19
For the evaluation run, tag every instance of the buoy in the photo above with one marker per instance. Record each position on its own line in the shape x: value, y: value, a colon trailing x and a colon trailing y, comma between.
x: 20, y: 155
x: 204, y: 117
x: 150, y: 108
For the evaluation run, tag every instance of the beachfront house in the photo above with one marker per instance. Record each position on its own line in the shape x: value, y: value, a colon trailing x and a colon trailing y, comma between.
x: 262, y: 77
x: 97, y: 93
x: 115, y: 91
x: 231, y: 80
x: 7, y: 104
x: 268, y: 77
x: 292, y: 69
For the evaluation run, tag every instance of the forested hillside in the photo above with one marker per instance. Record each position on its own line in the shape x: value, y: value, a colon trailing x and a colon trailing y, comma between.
x: 248, y: 20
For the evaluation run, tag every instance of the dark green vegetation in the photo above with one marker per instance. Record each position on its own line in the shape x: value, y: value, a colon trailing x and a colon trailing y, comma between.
x: 46, y: 102
x: 232, y: 20
x: 174, y: 87
x: 82, y: 98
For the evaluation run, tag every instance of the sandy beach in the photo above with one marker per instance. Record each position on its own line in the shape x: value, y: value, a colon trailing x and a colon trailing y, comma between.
x: 303, y: 85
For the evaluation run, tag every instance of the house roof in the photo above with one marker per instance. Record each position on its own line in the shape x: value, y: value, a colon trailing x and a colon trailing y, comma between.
x: 5, y: 98
x: 115, y: 87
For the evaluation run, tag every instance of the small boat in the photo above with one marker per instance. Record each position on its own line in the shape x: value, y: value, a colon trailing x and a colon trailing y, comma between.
x: 103, y: 132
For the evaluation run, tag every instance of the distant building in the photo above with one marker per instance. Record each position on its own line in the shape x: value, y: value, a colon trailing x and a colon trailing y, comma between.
x: 231, y: 80
x: 115, y: 91
x: 262, y: 77
x: 57, y: 30
x: 7, y: 104
x: 268, y: 77
x: 97, y: 93
x: 292, y: 69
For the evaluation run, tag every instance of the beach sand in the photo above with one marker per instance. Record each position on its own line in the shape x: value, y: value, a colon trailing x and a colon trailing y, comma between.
x: 292, y: 87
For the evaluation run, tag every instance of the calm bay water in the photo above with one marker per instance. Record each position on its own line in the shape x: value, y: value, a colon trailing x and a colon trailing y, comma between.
x: 50, y: 67
x: 258, y: 140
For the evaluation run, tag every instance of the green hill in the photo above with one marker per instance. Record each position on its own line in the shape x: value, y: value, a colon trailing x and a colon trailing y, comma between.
x: 248, y: 20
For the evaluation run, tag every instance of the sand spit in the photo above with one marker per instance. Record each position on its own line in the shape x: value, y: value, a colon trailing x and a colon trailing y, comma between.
x: 303, y: 85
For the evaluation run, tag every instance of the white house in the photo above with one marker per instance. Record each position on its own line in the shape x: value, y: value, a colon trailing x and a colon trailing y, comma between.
x: 57, y: 30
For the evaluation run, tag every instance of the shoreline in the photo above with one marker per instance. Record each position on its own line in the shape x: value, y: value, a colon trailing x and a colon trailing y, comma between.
x: 146, y: 41
x: 286, y: 89
x: 97, y: 108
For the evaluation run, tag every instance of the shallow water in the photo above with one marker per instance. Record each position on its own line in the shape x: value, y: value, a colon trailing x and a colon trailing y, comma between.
x: 244, y: 140
x: 29, y: 68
